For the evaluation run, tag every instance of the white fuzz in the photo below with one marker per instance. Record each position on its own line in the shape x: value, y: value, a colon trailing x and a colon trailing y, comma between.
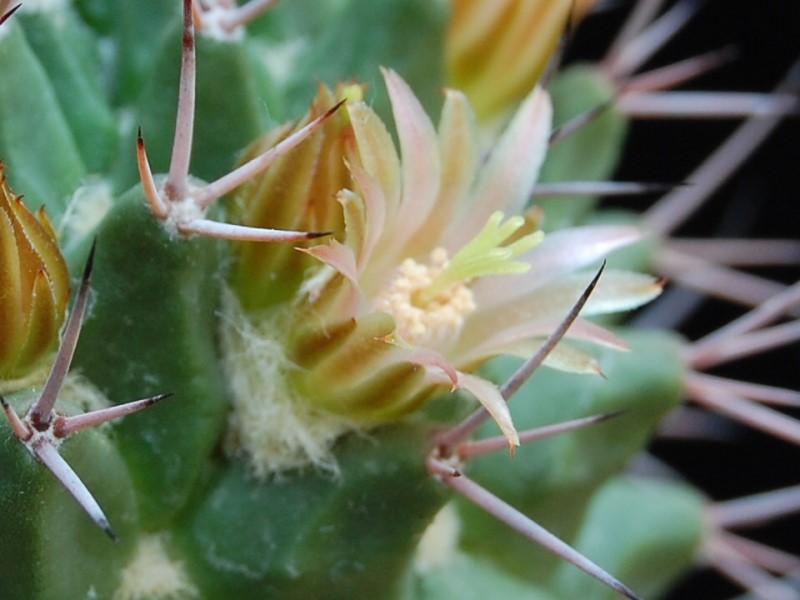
x: 271, y: 426
x: 153, y: 575
x: 439, y: 543
x: 181, y: 212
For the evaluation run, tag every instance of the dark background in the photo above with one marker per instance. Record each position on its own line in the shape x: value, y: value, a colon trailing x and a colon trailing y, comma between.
x: 762, y: 200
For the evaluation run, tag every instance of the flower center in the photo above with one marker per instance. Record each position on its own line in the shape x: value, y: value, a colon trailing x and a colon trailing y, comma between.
x: 421, y: 317
x: 430, y: 300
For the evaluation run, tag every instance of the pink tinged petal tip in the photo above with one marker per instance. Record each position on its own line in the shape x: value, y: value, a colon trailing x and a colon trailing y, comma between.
x: 49, y: 456
x: 40, y: 413
x: 524, y: 525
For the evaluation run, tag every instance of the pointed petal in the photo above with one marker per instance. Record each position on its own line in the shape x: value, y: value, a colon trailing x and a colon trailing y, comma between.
x: 491, y: 399
x: 420, y: 165
x: 376, y: 153
x: 459, y: 152
x: 374, y: 213
x: 336, y: 255
x: 430, y: 359
x: 506, y: 180
x: 356, y: 229
x: 560, y: 253
x: 350, y: 302
x: 481, y: 341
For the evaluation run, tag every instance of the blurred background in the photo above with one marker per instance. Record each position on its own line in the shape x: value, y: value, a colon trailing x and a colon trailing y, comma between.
x: 761, y: 201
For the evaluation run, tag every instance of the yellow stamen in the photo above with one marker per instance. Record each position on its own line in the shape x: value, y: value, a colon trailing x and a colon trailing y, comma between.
x: 430, y: 301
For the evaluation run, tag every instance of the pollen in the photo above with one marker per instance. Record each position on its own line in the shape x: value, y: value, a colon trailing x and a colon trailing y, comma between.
x: 423, y: 318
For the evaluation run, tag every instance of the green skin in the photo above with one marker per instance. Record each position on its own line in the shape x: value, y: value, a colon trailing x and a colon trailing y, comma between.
x: 152, y: 323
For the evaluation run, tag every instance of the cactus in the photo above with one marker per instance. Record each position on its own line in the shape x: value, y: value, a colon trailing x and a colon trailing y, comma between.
x: 376, y: 356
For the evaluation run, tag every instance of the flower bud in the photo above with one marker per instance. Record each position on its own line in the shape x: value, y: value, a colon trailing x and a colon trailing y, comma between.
x: 497, y: 51
x: 297, y: 192
x: 34, y: 286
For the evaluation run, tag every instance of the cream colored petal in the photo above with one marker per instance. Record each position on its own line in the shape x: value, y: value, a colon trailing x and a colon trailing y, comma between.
x: 616, y: 291
x: 560, y: 254
x: 350, y: 302
x: 420, y: 166
x: 458, y: 149
x: 481, y: 341
x: 511, y: 170
x: 374, y: 211
x: 430, y: 359
x: 355, y: 223
x: 568, y: 358
x: 376, y: 153
x: 489, y: 396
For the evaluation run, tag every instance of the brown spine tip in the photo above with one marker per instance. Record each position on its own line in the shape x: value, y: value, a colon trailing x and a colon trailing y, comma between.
x: 5, y: 17
x: 188, y: 26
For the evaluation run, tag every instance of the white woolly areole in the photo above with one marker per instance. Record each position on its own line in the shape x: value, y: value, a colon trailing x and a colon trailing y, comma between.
x: 153, y: 575
x: 438, y: 545
x: 181, y: 212
x: 271, y: 425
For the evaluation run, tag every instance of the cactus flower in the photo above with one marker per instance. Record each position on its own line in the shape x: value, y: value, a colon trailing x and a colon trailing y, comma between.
x: 428, y: 280
x: 34, y: 286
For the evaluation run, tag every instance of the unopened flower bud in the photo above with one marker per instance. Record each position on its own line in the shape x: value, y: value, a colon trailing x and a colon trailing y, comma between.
x: 34, y: 286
